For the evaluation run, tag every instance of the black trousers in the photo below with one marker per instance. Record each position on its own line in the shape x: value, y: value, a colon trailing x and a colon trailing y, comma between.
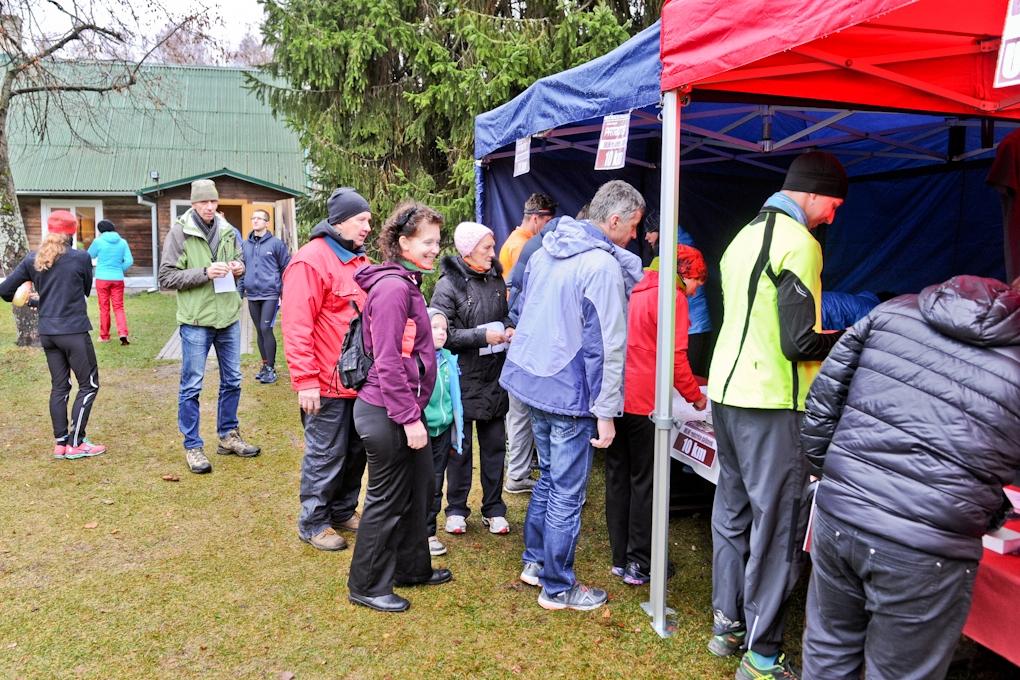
x: 392, y: 540
x: 441, y: 454
x: 629, y: 476
x: 64, y: 354
x: 491, y: 452
x: 877, y: 604
x: 263, y: 315
x: 332, y: 467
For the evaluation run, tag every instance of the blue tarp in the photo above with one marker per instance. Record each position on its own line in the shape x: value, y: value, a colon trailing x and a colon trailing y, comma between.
x: 911, y: 218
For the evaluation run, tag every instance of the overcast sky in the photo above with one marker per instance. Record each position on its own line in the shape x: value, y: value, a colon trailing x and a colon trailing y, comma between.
x: 238, y: 17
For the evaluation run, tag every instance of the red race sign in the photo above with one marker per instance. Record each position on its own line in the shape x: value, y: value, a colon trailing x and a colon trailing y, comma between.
x: 612, y: 151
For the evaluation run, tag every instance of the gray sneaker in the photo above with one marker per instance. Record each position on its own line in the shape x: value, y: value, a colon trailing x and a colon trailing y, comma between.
x: 530, y: 573
x: 197, y: 462
x: 519, y: 485
x: 581, y: 598
x: 232, y: 444
x: 728, y: 637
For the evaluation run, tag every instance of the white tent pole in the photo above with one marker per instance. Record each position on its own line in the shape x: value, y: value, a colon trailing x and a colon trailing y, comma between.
x: 663, y: 415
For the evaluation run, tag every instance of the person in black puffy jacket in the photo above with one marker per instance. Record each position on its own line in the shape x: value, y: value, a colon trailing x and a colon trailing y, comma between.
x: 472, y: 292
x: 913, y: 425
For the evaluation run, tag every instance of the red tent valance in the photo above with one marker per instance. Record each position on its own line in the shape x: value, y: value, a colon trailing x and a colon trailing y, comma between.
x: 934, y: 56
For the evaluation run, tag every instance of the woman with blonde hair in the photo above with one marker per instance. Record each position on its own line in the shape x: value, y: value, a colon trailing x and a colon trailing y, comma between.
x: 62, y: 276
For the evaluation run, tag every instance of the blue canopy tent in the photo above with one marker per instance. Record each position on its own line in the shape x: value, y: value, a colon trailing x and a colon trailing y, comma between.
x: 918, y: 211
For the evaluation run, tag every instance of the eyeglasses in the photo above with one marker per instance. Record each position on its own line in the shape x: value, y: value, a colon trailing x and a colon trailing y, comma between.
x: 259, y: 219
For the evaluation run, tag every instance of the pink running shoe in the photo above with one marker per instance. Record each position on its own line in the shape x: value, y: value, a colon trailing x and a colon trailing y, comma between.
x: 84, y: 450
x: 59, y: 451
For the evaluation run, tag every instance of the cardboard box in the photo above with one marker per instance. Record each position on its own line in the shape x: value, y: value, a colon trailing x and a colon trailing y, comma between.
x: 1002, y: 541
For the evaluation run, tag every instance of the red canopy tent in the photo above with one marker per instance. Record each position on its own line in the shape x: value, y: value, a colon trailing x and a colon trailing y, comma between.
x: 932, y: 56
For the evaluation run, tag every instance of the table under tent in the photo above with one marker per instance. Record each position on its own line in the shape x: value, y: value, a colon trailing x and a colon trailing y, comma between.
x: 722, y: 96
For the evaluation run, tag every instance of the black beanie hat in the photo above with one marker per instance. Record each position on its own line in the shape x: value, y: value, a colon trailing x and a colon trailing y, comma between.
x: 343, y: 204
x: 105, y: 226
x: 817, y: 172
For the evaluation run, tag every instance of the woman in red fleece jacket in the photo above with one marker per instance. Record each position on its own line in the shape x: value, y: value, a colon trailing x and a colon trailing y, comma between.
x: 629, y: 459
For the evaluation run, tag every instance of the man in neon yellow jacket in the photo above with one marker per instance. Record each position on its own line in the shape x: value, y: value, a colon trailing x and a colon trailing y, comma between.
x: 769, y: 350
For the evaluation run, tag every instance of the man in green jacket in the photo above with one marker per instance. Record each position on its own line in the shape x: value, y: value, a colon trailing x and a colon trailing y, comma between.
x: 202, y: 260
x: 769, y: 350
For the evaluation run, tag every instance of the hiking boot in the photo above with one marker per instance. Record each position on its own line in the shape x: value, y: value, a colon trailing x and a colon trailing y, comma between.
x: 530, y: 573
x: 455, y: 524
x: 232, y: 444
x: 728, y: 637
x: 436, y: 548
x: 581, y: 598
x: 197, y: 462
x: 269, y: 377
x: 782, y: 669
x: 327, y: 539
x: 497, y: 525
x: 84, y: 450
x: 634, y: 575
x: 350, y: 524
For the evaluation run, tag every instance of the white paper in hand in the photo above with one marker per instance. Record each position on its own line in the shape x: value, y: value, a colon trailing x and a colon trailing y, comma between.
x: 493, y: 349
x: 225, y: 284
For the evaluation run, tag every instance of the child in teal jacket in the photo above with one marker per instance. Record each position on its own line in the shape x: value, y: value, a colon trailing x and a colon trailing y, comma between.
x: 444, y: 418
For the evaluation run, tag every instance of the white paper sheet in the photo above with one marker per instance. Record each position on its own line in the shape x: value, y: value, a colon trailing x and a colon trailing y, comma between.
x: 225, y: 284
x: 493, y: 349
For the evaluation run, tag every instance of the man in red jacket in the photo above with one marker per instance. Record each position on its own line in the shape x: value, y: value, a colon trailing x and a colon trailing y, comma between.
x: 318, y: 289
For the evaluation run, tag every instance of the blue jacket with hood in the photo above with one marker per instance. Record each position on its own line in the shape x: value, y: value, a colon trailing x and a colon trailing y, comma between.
x: 567, y: 354
x: 112, y: 256
x: 264, y: 261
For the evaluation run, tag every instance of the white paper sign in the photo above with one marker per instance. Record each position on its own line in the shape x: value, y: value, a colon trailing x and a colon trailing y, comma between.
x: 612, y: 151
x: 694, y: 440
x: 225, y: 284
x: 522, y: 157
x: 1007, y: 68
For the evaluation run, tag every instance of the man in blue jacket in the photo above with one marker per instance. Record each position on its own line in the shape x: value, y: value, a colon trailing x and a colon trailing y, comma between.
x: 265, y: 258
x: 566, y: 363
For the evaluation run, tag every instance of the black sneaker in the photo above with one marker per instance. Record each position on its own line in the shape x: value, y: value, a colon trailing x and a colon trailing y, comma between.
x: 262, y: 373
x: 634, y: 574
x: 269, y: 376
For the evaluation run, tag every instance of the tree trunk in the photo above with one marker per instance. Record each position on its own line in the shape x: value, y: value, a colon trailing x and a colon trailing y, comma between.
x: 13, y: 239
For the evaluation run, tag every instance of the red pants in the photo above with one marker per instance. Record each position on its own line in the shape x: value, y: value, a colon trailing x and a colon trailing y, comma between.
x: 111, y: 292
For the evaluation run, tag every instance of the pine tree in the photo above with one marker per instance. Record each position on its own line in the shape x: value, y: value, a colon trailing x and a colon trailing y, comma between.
x: 383, y: 93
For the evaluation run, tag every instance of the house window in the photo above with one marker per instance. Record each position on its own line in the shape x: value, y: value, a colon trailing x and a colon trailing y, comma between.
x: 89, y: 213
x: 178, y: 208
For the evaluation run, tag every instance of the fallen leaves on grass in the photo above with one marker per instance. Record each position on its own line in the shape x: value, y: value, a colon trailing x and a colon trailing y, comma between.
x: 91, y: 525
x: 171, y: 478
x: 285, y: 675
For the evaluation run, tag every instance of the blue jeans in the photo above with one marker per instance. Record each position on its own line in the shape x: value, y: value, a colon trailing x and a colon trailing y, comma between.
x: 553, y: 523
x: 195, y: 344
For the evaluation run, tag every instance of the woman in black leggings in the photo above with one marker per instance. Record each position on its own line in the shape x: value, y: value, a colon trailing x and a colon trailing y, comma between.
x: 265, y: 258
x: 62, y: 276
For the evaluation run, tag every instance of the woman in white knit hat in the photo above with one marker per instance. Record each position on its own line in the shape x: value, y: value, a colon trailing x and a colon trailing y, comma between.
x: 472, y: 295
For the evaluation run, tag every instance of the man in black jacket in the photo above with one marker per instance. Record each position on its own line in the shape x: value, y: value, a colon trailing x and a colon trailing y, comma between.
x: 914, y: 421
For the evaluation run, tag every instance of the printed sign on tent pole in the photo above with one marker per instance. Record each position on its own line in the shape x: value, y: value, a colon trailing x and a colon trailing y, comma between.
x: 522, y: 157
x: 1007, y: 68
x: 613, y: 142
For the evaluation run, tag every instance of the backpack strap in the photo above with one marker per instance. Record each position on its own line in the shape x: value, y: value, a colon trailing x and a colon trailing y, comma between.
x: 762, y: 264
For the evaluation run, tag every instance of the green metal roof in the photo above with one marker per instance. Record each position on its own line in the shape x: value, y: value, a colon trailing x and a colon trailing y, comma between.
x: 202, y: 118
x: 222, y: 172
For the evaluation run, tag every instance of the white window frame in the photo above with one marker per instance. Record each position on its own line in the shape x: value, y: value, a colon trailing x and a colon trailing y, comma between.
x: 48, y: 205
x: 173, y: 209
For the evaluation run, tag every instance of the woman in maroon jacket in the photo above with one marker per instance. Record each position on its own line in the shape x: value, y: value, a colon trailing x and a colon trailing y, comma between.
x: 392, y: 546
x: 629, y: 459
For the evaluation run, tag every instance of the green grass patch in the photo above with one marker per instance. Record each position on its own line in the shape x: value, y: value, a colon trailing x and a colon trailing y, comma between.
x: 108, y: 571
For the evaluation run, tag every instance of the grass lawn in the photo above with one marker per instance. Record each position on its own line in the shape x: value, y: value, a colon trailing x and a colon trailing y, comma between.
x: 109, y: 571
